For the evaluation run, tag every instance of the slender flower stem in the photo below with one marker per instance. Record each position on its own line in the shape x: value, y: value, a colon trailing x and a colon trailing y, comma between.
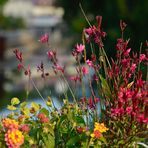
x: 84, y: 14
x: 69, y: 88
x: 37, y: 90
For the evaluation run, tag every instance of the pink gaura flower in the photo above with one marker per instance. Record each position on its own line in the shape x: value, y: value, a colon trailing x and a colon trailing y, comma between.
x: 117, y: 111
x: 57, y: 67
x: 20, y: 66
x: 44, y: 38
x: 126, y: 53
x: 133, y: 67
x: 90, y: 31
x: 18, y: 55
x: 142, y: 57
x: 85, y: 70
x: 75, y: 78
x: 89, y: 63
x: 50, y: 54
x: 80, y: 48
x: 142, y: 119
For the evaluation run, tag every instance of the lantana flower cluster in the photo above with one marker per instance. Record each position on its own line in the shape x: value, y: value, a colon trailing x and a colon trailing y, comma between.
x: 13, y: 137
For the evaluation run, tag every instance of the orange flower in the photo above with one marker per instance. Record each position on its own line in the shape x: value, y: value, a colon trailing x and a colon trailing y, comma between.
x: 14, y: 138
x: 96, y: 134
x: 10, y: 123
x: 100, y: 127
x: 98, y: 130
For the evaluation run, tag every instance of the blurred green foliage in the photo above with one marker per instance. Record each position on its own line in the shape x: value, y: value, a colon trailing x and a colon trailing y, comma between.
x: 7, y: 22
x: 133, y: 12
x: 2, y: 2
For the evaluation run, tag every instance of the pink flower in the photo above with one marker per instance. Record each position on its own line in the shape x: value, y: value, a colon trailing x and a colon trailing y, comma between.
x: 133, y: 67
x: 43, y: 118
x: 117, y: 111
x: 84, y: 70
x: 44, y: 38
x: 75, y: 78
x: 58, y: 68
x: 89, y: 31
x: 18, y: 55
x: 142, y: 57
x: 80, y: 48
x: 89, y: 63
x: 50, y: 54
x: 128, y: 110
x: 14, y: 138
x: 126, y: 53
x: 25, y: 128
x: 10, y: 123
x: 142, y: 119
x: 20, y: 66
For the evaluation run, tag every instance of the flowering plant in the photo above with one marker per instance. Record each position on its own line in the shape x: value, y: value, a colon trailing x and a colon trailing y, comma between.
x: 113, y: 115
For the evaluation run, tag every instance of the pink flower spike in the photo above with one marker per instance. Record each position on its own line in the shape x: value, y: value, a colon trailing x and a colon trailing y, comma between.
x: 44, y: 38
x: 80, y: 48
x: 84, y: 70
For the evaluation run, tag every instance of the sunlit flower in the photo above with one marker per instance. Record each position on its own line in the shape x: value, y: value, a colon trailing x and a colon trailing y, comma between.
x: 14, y: 138
x: 100, y: 127
x: 10, y: 123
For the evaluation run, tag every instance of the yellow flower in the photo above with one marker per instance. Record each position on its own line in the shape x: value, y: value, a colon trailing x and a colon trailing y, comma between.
x: 14, y: 138
x: 98, y: 130
x: 10, y: 123
x: 100, y: 127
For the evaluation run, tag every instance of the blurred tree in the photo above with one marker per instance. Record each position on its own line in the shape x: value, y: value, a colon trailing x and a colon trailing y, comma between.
x: 133, y: 12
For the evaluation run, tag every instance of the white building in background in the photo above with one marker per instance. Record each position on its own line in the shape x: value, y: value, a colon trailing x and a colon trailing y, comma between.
x: 36, y: 13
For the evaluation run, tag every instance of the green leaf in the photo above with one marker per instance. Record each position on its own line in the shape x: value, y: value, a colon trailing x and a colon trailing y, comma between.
x: 72, y: 141
x: 49, y: 141
x: 103, y: 140
x: 79, y: 120
x: 23, y: 104
x: 105, y: 87
x: 62, y: 124
x: 15, y: 101
x: 11, y: 107
x: 45, y: 111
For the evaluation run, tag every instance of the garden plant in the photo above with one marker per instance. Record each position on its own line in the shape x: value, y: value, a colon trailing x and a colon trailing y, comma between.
x: 114, y: 115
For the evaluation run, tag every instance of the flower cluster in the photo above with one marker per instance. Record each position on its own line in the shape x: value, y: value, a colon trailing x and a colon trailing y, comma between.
x: 98, y: 130
x: 13, y: 136
x: 42, y: 117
